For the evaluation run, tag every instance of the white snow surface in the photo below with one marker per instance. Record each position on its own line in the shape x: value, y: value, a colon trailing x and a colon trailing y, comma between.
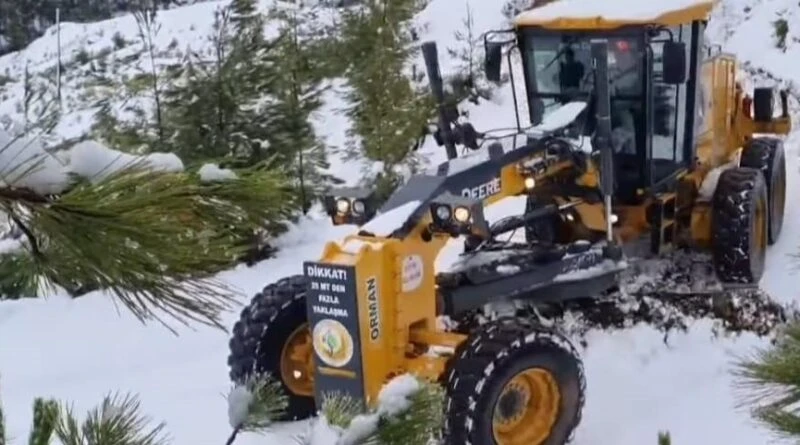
x: 619, y: 10
x: 212, y: 172
x: 79, y: 350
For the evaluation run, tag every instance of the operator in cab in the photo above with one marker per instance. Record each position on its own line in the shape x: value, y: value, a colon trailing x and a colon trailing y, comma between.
x: 571, y: 73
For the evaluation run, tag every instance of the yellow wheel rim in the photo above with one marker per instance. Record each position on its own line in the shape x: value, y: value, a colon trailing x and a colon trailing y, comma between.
x: 760, y: 227
x: 527, y: 409
x: 297, y: 362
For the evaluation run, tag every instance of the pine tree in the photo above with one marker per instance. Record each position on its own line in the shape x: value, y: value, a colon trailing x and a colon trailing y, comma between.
x: 148, y: 28
x: 215, y: 109
x: 297, y: 93
x: 470, y: 81
x: 387, y: 111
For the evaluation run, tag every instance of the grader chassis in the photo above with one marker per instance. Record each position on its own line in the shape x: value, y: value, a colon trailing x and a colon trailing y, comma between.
x: 372, y: 306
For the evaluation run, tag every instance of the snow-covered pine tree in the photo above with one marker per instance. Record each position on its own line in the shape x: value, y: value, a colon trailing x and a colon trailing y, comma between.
x: 389, y: 114
x: 215, y: 109
x: 116, y: 420
x: 409, y: 411
x: 470, y: 81
x: 297, y: 93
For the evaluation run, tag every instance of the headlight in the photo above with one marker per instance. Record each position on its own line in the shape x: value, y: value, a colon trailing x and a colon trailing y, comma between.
x: 462, y: 214
x: 443, y: 212
x: 530, y: 183
x: 458, y: 215
x: 359, y: 207
x: 343, y: 205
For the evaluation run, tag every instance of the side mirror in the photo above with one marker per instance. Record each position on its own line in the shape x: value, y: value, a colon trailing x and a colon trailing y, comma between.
x: 674, y: 63
x: 493, y: 61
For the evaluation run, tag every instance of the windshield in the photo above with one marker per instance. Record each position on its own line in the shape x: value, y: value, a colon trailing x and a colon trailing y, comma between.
x: 559, y: 69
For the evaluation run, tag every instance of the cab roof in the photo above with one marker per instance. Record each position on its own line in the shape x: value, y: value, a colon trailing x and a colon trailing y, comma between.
x: 610, y: 14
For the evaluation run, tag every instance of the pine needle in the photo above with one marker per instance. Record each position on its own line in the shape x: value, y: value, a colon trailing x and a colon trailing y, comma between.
x: 418, y: 425
x: 151, y: 239
x: 116, y: 421
x: 45, y: 421
x: 769, y: 381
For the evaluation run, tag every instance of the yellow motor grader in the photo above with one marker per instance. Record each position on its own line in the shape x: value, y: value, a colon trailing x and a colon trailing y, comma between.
x: 639, y: 138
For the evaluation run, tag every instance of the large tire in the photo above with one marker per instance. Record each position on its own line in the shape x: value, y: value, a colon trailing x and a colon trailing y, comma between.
x: 272, y: 319
x: 739, y: 226
x: 497, y: 354
x: 767, y: 155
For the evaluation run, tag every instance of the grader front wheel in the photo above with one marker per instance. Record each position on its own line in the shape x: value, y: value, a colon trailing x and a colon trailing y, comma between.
x: 514, y: 383
x: 272, y: 337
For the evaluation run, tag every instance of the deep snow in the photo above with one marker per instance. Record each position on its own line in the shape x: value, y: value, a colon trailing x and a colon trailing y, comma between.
x: 79, y: 350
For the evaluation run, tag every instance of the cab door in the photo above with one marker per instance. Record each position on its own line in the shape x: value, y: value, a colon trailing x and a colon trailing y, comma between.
x: 666, y: 113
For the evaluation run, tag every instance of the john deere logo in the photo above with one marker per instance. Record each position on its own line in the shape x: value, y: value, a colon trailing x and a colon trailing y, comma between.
x: 333, y: 343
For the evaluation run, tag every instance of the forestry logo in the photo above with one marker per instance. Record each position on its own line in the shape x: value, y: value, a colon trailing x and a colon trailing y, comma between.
x: 332, y: 343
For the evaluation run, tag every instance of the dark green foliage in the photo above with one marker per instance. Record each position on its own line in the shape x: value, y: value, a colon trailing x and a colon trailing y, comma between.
x: 216, y: 111
x: 664, y: 438
x: 389, y: 113
x: 296, y: 93
x: 45, y: 421
x: 168, y: 233
x: 781, y: 30
x: 14, y: 282
x: 116, y: 421
x: 418, y: 423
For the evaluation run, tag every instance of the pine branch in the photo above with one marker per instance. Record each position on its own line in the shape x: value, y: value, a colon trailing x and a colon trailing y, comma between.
x: 770, y: 383
x: 152, y: 239
x: 117, y: 421
x: 254, y: 405
x: 409, y: 411
x: 45, y: 421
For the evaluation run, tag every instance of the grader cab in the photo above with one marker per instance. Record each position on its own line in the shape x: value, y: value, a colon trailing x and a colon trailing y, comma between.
x: 638, y: 137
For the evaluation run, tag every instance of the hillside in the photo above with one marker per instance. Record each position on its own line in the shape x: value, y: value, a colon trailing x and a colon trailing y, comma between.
x: 81, y: 349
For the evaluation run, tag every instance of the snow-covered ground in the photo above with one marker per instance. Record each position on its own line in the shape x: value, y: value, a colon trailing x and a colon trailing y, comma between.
x: 79, y: 350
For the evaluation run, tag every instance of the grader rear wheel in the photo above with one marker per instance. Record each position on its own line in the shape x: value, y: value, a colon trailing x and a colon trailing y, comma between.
x: 767, y: 155
x: 513, y: 383
x: 740, y: 226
